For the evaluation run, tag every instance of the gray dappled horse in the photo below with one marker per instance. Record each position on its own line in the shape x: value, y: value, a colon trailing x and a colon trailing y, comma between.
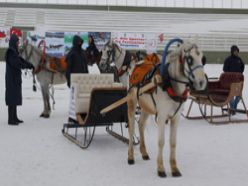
x: 46, y: 77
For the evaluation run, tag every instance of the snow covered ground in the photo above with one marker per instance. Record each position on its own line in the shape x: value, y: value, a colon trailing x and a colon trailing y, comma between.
x: 36, y: 153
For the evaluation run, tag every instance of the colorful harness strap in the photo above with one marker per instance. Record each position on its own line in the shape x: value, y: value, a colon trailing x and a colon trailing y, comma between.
x: 43, y: 56
x: 175, y: 97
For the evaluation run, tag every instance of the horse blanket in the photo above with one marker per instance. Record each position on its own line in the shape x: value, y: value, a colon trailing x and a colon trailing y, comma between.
x: 140, y: 71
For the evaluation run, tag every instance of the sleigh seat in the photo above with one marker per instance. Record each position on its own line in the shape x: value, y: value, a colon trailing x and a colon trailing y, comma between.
x: 219, y: 93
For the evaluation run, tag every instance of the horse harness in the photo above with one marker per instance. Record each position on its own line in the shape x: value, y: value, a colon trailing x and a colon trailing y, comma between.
x: 166, y: 83
x: 42, y: 60
x: 126, y: 64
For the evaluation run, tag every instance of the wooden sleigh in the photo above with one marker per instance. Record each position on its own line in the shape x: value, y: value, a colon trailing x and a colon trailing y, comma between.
x: 92, y: 93
x: 217, y: 100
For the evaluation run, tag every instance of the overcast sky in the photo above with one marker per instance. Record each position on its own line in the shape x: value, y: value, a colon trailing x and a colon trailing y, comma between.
x: 166, y: 3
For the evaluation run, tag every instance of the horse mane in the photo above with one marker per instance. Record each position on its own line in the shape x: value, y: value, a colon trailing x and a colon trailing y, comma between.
x: 184, y: 47
x: 37, y: 50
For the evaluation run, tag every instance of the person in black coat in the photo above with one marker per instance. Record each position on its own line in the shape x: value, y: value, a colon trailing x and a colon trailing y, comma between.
x: 76, y: 59
x: 92, y: 51
x: 234, y: 63
x: 13, y: 79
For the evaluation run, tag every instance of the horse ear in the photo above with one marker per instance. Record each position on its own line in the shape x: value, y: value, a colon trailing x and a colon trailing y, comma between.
x: 204, y: 60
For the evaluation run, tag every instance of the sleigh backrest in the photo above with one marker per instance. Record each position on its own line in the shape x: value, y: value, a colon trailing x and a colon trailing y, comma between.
x: 83, y: 85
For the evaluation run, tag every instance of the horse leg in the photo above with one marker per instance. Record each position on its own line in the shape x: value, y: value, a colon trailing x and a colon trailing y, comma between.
x: 173, y: 134
x: 45, y: 96
x: 142, y: 122
x: 48, y: 111
x: 131, y: 119
x: 161, y: 132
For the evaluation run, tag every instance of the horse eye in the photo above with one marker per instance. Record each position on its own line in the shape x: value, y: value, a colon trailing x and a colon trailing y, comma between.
x: 189, y: 60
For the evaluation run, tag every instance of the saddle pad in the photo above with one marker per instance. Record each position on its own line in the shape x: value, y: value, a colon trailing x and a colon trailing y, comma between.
x: 140, y: 71
x: 57, y: 64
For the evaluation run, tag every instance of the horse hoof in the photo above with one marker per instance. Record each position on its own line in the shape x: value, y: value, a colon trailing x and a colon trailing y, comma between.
x: 46, y: 116
x: 161, y: 174
x: 130, y: 162
x: 146, y: 157
x: 176, y: 174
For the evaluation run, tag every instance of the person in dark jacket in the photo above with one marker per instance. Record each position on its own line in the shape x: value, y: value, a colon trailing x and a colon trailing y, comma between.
x: 234, y: 63
x: 13, y: 79
x: 92, y: 51
x: 76, y: 59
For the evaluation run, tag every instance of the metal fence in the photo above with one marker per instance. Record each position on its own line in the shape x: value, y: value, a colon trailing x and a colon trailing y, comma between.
x: 232, y: 4
x: 78, y: 20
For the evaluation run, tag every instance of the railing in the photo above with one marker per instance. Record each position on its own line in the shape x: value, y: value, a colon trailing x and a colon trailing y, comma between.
x: 232, y: 4
x: 212, y: 42
x: 76, y: 20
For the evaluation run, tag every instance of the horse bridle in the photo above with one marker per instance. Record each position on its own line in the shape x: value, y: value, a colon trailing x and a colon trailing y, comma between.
x: 189, y: 61
x: 112, y: 53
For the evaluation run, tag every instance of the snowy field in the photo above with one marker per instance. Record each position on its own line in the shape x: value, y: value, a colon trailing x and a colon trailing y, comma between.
x: 37, y: 154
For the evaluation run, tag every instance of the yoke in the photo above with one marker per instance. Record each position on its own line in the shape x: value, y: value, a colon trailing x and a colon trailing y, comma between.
x: 219, y: 93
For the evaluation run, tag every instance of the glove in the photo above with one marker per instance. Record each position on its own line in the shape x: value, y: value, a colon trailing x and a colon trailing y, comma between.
x: 31, y: 66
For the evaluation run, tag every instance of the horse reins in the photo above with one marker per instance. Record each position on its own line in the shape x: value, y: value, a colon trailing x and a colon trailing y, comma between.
x: 111, y: 53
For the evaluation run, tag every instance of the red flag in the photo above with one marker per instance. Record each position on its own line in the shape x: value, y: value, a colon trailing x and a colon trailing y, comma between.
x: 16, y: 31
x: 161, y: 37
x: 2, y: 34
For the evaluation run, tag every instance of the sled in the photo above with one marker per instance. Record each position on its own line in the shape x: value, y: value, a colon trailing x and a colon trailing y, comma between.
x: 216, y: 99
x: 91, y: 93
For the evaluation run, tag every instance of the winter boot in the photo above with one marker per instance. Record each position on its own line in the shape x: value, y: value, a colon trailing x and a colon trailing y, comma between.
x: 11, y: 116
x: 15, y: 116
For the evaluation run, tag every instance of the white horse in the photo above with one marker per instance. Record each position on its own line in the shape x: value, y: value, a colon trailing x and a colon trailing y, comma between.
x: 122, y: 60
x: 184, y: 69
x: 46, y: 77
